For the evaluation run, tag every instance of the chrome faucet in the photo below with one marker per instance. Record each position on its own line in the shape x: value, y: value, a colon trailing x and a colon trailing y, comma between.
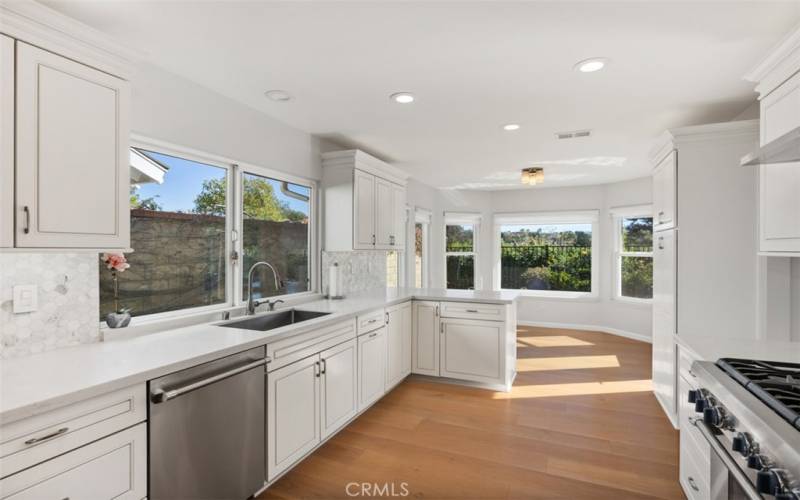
x: 253, y: 303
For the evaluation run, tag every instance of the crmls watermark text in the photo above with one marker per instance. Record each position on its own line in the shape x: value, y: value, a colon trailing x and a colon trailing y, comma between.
x: 377, y: 490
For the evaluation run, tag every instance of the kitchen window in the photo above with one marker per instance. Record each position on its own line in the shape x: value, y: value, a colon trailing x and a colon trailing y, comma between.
x: 461, y: 250
x: 633, y: 253
x: 552, y: 254
x: 197, y: 225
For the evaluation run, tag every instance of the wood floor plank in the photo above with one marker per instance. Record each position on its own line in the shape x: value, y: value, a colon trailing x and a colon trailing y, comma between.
x: 580, y: 422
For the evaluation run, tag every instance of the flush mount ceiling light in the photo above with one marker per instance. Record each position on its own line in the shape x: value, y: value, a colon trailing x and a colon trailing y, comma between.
x: 402, y: 97
x: 511, y: 126
x: 532, y: 176
x: 591, y: 65
x: 278, y: 95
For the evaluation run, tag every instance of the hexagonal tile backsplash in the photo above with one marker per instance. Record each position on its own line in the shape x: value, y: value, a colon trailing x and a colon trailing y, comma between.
x: 68, y: 309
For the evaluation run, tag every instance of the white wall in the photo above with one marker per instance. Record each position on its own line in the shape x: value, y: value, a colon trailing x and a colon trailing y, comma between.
x: 602, y: 312
x: 173, y: 109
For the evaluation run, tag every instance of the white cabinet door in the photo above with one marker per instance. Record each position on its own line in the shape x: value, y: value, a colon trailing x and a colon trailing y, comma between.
x: 399, y: 231
x: 112, y: 467
x: 664, y: 356
x: 339, y: 389
x: 398, y: 344
x: 72, y: 179
x: 384, y: 213
x: 779, y: 207
x: 665, y: 192
x: 425, y: 338
x: 371, y: 367
x: 6, y: 141
x: 293, y: 413
x: 472, y: 350
x: 363, y: 210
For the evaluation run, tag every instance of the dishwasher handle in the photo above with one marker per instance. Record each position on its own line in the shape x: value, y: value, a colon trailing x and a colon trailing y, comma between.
x: 161, y: 396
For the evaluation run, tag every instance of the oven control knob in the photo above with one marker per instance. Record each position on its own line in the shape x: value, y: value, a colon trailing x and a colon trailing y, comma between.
x: 755, y: 462
x: 767, y: 481
x: 699, y: 405
x: 712, y: 416
x: 693, y: 396
x: 742, y: 444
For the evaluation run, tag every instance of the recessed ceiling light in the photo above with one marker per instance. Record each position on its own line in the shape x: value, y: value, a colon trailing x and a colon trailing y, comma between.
x: 278, y: 95
x: 402, y: 97
x: 591, y: 65
x: 511, y: 126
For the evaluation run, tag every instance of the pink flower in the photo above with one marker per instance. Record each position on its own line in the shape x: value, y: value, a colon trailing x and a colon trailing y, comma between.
x: 115, y: 261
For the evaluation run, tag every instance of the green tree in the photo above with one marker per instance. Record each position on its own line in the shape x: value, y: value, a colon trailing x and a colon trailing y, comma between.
x: 144, y: 203
x: 259, y: 200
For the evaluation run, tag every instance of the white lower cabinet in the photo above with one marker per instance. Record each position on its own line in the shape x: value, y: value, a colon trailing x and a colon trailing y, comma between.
x: 472, y: 349
x: 113, y: 467
x: 695, y: 454
x: 398, y: 344
x: 425, y: 338
x: 339, y: 386
x: 371, y: 367
x: 293, y: 406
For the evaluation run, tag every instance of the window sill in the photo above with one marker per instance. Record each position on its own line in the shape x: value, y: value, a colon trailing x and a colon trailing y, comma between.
x: 568, y: 296
x: 629, y: 301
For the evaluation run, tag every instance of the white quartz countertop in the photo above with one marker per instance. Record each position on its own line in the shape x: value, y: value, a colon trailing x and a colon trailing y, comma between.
x: 38, y: 383
x: 711, y: 349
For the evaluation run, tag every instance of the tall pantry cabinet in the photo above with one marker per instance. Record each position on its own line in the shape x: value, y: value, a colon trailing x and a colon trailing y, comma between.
x: 703, y: 206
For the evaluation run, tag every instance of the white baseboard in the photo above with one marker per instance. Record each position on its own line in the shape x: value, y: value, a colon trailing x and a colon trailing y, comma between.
x: 594, y: 328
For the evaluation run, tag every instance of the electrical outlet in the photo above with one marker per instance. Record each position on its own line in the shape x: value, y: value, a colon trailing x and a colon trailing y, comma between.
x: 26, y: 298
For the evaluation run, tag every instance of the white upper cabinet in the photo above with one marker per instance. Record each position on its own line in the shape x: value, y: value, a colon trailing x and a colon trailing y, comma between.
x: 664, y: 192
x: 777, y: 80
x: 364, y: 203
x: 72, y: 154
x: 664, y: 324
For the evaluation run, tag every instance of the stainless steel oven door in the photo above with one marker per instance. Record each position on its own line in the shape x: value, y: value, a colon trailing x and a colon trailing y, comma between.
x: 728, y: 481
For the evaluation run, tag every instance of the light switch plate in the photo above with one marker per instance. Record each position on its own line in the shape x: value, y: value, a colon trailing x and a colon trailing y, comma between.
x: 26, y: 298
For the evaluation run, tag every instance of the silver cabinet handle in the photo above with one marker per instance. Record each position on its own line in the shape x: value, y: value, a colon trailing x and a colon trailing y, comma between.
x: 391, y: 240
x: 733, y: 468
x: 324, y: 366
x: 317, y: 369
x: 47, y: 437
x: 373, y: 335
x: 660, y: 243
x: 387, y: 318
x: 373, y: 320
x: 693, y: 484
x: 437, y: 311
x: 472, y: 310
x: 373, y: 240
x: 27, y: 228
x: 161, y: 396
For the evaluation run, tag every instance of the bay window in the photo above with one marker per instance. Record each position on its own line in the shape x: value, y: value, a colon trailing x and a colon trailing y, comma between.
x: 461, y: 230
x: 548, y: 253
x: 633, y: 253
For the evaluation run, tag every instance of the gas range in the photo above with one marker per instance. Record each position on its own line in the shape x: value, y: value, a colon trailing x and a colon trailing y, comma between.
x: 748, y: 412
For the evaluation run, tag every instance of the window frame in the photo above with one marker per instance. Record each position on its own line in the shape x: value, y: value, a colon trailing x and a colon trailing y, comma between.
x: 422, y: 217
x: 544, y: 218
x: 233, y: 228
x: 462, y: 219
x: 618, y: 214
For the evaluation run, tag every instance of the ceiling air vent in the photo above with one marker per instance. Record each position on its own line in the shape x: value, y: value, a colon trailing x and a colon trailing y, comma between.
x: 573, y: 134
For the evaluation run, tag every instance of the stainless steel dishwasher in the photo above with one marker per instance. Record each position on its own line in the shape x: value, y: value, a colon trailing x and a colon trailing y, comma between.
x: 207, y: 430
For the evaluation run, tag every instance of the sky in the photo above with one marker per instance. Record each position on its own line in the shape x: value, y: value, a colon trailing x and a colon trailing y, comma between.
x: 184, y: 181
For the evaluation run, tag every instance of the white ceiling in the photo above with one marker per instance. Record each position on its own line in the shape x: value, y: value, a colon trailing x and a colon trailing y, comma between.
x: 473, y: 67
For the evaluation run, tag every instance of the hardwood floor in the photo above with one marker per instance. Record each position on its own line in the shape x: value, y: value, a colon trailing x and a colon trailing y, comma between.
x: 581, y: 422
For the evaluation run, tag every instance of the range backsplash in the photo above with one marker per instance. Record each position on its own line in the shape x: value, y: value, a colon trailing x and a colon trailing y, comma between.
x: 68, y: 298
x: 359, y: 271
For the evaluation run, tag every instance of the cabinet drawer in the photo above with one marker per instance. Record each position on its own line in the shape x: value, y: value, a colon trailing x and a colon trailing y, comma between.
x: 690, y: 437
x: 295, y: 348
x: 685, y: 360
x: 695, y: 475
x: 371, y: 321
x: 473, y: 310
x: 26, y: 442
x: 113, y: 467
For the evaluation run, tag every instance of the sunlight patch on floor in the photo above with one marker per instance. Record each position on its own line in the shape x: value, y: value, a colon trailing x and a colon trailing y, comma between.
x: 551, y: 341
x: 566, y: 363
x: 580, y: 389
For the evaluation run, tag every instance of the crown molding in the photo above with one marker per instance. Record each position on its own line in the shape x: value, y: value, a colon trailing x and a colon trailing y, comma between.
x: 38, y: 25
x: 778, y: 65
x: 672, y: 138
x: 358, y: 159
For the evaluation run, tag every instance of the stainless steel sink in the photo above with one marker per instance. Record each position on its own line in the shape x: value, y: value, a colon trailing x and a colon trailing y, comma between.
x: 270, y: 321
